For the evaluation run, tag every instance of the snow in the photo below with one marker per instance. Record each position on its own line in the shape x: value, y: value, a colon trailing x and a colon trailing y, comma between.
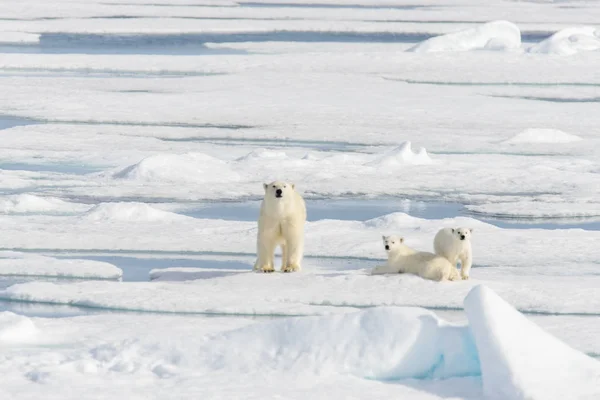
x: 401, y: 155
x: 496, y: 35
x: 118, y: 118
x: 178, y: 168
x: 15, y: 328
x: 130, y: 212
x: 23, y: 264
x: 543, y: 136
x: 29, y: 203
x: 569, y: 41
x: 521, y: 361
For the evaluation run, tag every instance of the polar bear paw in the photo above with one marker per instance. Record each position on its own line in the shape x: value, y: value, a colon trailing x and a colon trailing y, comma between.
x: 464, y: 276
x: 266, y: 269
x: 291, y: 268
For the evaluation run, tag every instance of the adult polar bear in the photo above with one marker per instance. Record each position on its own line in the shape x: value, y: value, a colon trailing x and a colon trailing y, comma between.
x: 281, y: 223
x: 455, y: 245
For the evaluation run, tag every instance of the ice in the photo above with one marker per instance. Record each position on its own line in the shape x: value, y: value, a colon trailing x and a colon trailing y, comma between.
x: 29, y: 203
x: 15, y: 328
x: 179, y: 168
x: 23, y: 264
x: 569, y: 41
x: 534, y: 209
x: 383, y: 344
x: 521, y: 361
x: 496, y: 35
x: 543, y: 136
x: 401, y: 155
x: 130, y: 212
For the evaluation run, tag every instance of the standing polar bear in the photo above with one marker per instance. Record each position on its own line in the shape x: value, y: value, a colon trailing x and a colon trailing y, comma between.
x: 404, y: 259
x: 281, y: 223
x: 455, y: 245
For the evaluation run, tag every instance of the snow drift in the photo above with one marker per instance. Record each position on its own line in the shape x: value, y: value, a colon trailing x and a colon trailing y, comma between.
x: 543, y: 136
x: 21, y: 264
x: 496, y: 35
x: 15, y: 328
x: 401, y: 155
x: 520, y: 361
x: 130, y: 212
x: 179, y: 168
x: 29, y: 203
x: 569, y: 41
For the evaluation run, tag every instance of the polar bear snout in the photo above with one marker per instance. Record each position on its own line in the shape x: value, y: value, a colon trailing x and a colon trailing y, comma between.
x: 387, y: 246
x: 462, y: 237
x: 278, y: 193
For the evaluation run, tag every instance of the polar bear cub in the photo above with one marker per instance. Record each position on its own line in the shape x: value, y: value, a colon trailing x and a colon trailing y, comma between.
x: 281, y: 223
x: 404, y: 259
x: 455, y: 245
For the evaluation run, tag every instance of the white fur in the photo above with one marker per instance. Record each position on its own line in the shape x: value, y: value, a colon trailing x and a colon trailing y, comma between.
x: 449, y: 243
x: 404, y: 259
x: 281, y: 223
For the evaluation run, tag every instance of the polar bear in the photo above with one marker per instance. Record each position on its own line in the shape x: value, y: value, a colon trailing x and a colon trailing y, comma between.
x: 404, y: 259
x: 455, y: 245
x: 281, y: 223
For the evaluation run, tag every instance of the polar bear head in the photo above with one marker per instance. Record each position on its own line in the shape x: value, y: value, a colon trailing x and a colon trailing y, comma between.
x: 462, y: 233
x: 278, y: 189
x: 392, y: 242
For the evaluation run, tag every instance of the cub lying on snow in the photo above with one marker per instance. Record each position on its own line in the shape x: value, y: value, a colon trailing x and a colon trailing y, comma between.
x: 404, y: 259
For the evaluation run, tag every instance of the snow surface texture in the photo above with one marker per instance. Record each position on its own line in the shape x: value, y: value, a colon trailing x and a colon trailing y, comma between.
x: 543, y: 136
x: 569, y: 41
x: 497, y: 35
x: 521, y: 361
x: 130, y: 212
x: 22, y: 264
x: 401, y: 155
x: 15, y: 328
x: 32, y: 204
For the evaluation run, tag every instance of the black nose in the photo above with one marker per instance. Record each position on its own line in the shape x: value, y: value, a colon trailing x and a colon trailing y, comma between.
x: 462, y: 237
x: 278, y: 192
x: 387, y: 247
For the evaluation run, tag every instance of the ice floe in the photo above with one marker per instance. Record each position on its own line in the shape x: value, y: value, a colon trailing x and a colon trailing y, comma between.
x: 569, y: 41
x: 538, y: 135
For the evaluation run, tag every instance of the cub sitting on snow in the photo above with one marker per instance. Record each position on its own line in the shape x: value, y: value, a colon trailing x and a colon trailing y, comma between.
x: 455, y: 245
x: 404, y: 259
x: 281, y: 223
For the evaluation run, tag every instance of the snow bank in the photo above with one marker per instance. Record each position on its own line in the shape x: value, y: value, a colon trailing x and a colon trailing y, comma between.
x: 179, y: 168
x: 543, y: 136
x: 263, y: 154
x: 29, y: 203
x: 569, y: 41
x: 401, y: 155
x: 15, y: 328
x: 496, y: 35
x: 538, y: 209
x: 383, y: 343
x: 521, y: 361
x: 131, y: 212
x: 21, y: 264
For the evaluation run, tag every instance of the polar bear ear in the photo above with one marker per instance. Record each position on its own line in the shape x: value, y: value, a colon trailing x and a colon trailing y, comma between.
x: 471, y: 230
x: 452, y: 228
x: 293, y: 185
x: 265, y: 186
x: 384, y: 237
x: 401, y: 239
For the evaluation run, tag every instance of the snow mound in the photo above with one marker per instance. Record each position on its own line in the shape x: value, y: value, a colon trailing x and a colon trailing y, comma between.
x: 263, y: 154
x: 179, y: 168
x: 543, y: 136
x: 496, y: 35
x: 15, y: 328
x: 569, y: 41
x: 131, y: 212
x: 401, y: 155
x: 521, y: 361
x: 29, y: 203
x: 383, y: 343
x: 21, y: 264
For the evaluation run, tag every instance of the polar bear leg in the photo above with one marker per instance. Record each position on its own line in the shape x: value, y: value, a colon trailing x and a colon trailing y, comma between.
x: 384, y: 269
x: 284, y: 255
x: 293, y: 236
x: 266, y: 252
x: 465, y: 266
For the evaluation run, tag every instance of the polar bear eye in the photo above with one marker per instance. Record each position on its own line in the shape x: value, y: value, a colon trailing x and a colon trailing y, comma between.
x: 284, y: 186
x: 273, y: 186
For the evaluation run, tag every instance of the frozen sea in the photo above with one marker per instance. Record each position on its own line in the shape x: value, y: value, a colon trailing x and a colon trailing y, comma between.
x: 135, y: 137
